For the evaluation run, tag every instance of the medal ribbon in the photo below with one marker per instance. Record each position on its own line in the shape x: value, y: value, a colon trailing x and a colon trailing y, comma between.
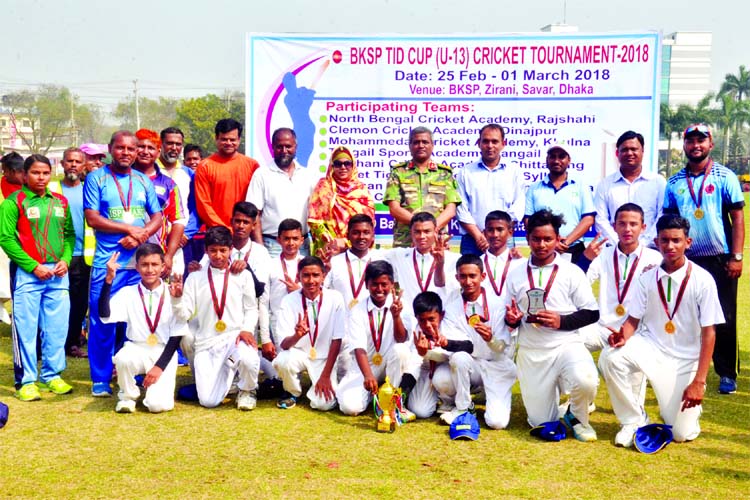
x: 316, y: 316
x: 377, y: 338
x: 125, y: 206
x: 218, y: 307
x: 283, y: 267
x: 358, y: 288
x: 498, y: 290
x: 485, y: 310
x: 44, y: 247
x: 707, y: 171
x: 680, y: 293
x: 426, y: 285
x: 626, y: 286
x: 152, y: 325
x: 549, y: 282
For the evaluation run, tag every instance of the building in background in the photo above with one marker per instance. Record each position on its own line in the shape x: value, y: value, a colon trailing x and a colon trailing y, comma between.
x: 686, y: 67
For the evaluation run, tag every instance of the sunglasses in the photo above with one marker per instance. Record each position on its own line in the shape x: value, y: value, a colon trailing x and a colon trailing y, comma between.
x: 699, y: 127
x: 342, y: 164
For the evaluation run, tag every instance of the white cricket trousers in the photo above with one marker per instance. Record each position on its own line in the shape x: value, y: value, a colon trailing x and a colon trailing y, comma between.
x: 290, y: 364
x: 216, y: 367
x: 463, y: 374
x: 541, y: 372
x: 352, y: 396
x: 668, y: 375
x: 137, y: 359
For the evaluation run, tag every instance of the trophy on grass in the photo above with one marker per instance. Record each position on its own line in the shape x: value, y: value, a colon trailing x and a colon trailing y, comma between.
x: 388, y: 407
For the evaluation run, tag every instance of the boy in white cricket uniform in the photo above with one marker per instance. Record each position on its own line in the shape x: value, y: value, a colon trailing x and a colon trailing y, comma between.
x: 226, y: 308
x: 283, y: 277
x: 380, y: 342
x: 480, y: 315
x: 153, y: 332
x: 549, y: 300
x: 499, y: 260
x: 677, y: 307
x: 436, y: 342
x: 422, y: 267
x: 616, y: 284
x: 310, y: 326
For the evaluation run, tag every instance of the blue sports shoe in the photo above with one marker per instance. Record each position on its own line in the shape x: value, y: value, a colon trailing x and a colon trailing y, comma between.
x: 727, y: 385
x: 101, y: 390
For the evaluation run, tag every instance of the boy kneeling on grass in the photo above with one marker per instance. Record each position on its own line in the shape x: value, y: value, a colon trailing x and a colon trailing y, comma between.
x: 153, y: 332
x: 36, y: 231
x: 677, y: 307
x: 226, y: 308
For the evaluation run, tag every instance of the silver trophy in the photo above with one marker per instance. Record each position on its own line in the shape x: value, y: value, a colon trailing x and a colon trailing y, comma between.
x: 536, y: 304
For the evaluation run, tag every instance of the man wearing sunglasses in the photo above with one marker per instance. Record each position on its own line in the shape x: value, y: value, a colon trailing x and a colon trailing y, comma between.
x: 703, y: 193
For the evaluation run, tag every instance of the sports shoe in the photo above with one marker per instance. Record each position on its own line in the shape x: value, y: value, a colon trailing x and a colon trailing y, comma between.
x: 287, y: 402
x: 625, y: 436
x: 101, y: 390
x: 246, y: 400
x: 57, y: 386
x: 28, y: 392
x: 449, y: 416
x: 727, y: 385
x: 407, y: 415
x: 582, y: 432
x: 125, y: 406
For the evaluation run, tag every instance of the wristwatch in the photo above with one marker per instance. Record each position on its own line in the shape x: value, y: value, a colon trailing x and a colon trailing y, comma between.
x: 737, y: 257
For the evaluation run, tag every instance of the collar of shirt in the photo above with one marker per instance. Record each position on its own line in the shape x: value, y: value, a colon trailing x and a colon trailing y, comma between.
x: 676, y: 276
x: 241, y: 252
x: 568, y: 180
x: 479, y: 303
x: 156, y: 292
x: 555, y: 261
x: 644, y: 175
x: 504, y: 255
x: 622, y: 254
x: 276, y: 169
x: 31, y: 194
x: 432, y: 166
x: 353, y: 258
x: 372, y: 307
x: 167, y: 172
x: 499, y: 166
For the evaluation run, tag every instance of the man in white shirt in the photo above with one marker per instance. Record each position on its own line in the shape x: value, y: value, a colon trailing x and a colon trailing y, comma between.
x: 630, y: 184
x: 281, y: 191
x: 487, y: 185
x: 677, y: 307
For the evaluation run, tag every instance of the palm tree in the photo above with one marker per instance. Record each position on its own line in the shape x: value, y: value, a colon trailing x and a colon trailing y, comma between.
x: 731, y: 114
x: 738, y: 86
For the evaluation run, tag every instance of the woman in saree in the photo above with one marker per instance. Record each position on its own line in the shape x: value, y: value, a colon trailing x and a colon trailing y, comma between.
x: 337, y: 196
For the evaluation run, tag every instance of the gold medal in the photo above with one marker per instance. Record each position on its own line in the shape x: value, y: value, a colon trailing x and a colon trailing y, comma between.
x: 620, y: 310
x: 152, y: 340
x: 313, y: 354
x: 669, y: 327
x: 698, y: 213
x: 353, y: 303
x: 377, y: 359
x: 220, y: 326
x: 474, y: 320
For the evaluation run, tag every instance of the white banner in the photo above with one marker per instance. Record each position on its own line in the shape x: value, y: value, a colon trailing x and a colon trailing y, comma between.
x: 367, y: 92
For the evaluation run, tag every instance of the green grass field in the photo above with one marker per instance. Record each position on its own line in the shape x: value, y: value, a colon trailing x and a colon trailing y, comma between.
x: 75, y: 446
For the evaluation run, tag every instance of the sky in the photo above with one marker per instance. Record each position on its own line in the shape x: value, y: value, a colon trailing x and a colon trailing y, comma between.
x: 190, y: 47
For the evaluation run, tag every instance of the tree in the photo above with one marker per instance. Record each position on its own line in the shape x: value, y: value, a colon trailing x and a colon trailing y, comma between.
x: 738, y: 86
x: 155, y: 114
x: 731, y: 114
x: 197, y: 117
x: 48, y: 111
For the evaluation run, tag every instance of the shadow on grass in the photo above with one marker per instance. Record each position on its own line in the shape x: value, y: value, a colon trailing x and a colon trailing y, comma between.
x: 736, y: 475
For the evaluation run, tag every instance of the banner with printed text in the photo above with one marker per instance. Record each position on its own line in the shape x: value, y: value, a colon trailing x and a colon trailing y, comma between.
x: 366, y: 93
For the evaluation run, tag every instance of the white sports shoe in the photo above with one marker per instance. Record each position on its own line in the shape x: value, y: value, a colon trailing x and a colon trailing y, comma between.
x: 449, y: 416
x: 246, y: 400
x: 584, y: 432
x: 125, y: 406
x: 625, y: 436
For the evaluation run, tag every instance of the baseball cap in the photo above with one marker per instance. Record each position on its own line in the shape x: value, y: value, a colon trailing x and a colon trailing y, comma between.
x: 558, y: 147
x: 698, y: 129
x: 550, y: 431
x: 3, y: 414
x: 465, y: 426
x: 93, y: 149
x: 652, y: 438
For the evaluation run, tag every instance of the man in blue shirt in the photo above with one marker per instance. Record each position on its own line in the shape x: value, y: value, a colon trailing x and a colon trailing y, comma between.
x: 487, y: 185
x: 562, y: 194
x: 705, y: 193
x: 120, y: 204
